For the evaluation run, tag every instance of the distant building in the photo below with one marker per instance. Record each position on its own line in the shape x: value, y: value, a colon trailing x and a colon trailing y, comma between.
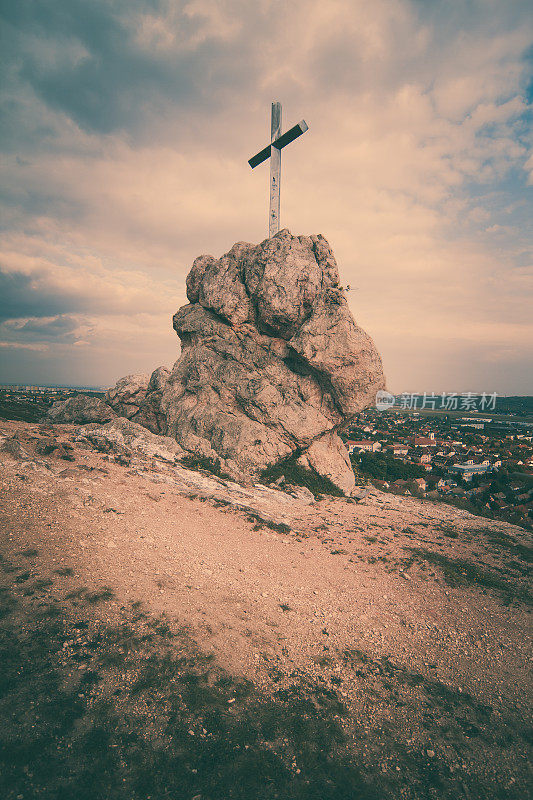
x: 424, y: 441
x: 469, y: 469
x: 364, y: 446
x: 421, y: 457
x: 398, y: 449
x: 434, y: 482
x: 401, y: 487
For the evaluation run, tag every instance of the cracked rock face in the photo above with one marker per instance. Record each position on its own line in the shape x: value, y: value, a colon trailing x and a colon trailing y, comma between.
x: 138, y: 397
x: 272, y: 361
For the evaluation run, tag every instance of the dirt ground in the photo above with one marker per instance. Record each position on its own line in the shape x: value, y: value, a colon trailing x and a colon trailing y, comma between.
x: 412, y: 616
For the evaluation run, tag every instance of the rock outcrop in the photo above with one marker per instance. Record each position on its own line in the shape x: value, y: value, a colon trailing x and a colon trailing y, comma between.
x: 272, y: 362
x: 128, y: 394
x: 138, y: 397
x: 80, y: 409
x: 124, y: 437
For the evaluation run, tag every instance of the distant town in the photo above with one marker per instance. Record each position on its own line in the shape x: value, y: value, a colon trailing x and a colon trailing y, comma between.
x: 29, y: 403
x: 482, y: 462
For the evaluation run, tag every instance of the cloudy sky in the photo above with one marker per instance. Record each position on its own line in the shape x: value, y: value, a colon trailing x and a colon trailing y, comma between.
x: 127, y: 125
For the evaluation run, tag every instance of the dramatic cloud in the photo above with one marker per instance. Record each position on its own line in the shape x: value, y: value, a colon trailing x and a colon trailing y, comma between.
x: 127, y: 129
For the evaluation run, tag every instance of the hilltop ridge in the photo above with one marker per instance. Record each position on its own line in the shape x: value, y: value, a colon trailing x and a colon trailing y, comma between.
x: 410, y: 617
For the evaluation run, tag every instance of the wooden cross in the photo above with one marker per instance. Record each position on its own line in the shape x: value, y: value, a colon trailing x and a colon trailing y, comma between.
x: 273, y: 151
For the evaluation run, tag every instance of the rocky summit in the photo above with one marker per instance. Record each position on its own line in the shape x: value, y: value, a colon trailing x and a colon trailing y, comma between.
x: 272, y: 363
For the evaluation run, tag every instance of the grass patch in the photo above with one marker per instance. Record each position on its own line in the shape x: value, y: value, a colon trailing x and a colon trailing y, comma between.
x: 143, y: 717
x: 279, y: 527
x: 451, y: 533
x: 506, y: 542
x: 460, y: 572
x: 40, y: 585
x: 76, y: 594
x: 298, y: 475
x: 99, y: 596
x: 205, y: 464
x: 30, y: 552
x: 220, y: 503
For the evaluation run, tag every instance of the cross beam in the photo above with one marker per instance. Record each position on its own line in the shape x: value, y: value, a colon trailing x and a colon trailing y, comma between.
x: 277, y: 142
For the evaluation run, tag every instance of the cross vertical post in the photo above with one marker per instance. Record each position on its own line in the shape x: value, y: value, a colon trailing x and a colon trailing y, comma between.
x: 278, y: 141
x: 275, y: 171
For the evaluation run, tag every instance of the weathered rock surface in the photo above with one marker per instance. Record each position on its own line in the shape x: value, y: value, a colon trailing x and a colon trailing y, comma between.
x: 80, y: 409
x: 124, y: 437
x: 272, y: 361
x: 138, y: 397
x: 272, y: 364
x: 328, y: 456
x: 128, y: 394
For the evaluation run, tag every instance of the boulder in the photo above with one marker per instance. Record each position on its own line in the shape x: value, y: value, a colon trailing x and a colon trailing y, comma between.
x: 272, y: 362
x: 138, y: 397
x: 78, y: 410
x: 128, y: 394
x: 328, y: 456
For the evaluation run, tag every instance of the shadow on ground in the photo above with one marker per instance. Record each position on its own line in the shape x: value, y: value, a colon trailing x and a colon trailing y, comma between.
x: 101, y: 702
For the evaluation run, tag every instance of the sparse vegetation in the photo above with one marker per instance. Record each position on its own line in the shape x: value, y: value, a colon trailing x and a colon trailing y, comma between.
x: 204, y: 464
x: 451, y: 533
x: 260, y: 522
x: 97, y: 597
x: 460, y: 572
x: 64, y: 571
x: 145, y: 716
x: 506, y: 542
x: 104, y: 699
x: 385, y: 467
x: 298, y: 475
